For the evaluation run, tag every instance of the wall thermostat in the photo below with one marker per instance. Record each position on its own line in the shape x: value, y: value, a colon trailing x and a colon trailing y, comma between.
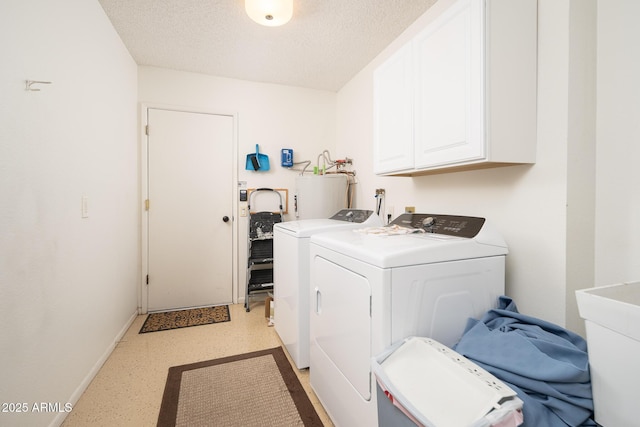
x: 287, y: 157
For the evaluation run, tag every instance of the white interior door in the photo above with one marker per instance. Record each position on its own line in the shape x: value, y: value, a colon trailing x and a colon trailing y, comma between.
x: 190, y: 197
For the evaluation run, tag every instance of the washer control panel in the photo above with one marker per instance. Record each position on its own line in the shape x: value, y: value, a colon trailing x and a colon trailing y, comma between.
x: 450, y: 225
x: 352, y: 215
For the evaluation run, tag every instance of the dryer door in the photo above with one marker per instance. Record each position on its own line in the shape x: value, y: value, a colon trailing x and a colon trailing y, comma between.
x: 342, y: 322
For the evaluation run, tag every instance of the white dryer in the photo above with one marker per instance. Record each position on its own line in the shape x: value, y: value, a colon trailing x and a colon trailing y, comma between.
x: 291, y: 275
x: 370, y: 291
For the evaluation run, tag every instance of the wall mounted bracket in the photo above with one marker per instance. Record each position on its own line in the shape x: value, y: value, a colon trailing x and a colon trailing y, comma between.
x: 30, y: 83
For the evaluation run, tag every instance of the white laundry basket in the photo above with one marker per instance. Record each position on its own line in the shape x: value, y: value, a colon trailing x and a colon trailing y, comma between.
x: 612, y: 320
x: 422, y: 382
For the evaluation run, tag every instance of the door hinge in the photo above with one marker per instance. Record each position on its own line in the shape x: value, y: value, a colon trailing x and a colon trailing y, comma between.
x: 146, y: 205
x: 147, y: 279
x: 146, y: 130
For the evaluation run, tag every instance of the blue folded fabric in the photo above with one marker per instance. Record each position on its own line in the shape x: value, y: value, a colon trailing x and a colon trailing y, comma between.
x: 548, y: 366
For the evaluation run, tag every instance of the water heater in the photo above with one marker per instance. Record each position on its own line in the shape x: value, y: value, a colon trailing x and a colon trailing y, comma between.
x: 320, y: 196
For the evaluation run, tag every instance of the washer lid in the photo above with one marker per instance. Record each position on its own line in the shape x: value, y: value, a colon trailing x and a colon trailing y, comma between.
x: 341, y: 220
x: 387, y: 251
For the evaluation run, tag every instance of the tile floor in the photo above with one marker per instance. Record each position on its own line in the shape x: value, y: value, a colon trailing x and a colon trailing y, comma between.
x: 127, y: 391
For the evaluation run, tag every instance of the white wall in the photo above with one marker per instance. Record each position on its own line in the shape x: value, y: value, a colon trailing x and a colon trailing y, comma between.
x: 581, y: 156
x: 273, y: 116
x: 67, y: 284
x: 528, y: 204
x: 618, y: 150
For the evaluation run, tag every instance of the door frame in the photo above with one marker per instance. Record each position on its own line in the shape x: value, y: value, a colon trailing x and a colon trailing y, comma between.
x: 143, y: 119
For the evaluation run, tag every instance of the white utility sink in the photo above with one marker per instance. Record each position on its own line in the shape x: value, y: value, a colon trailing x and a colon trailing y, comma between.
x: 612, y: 320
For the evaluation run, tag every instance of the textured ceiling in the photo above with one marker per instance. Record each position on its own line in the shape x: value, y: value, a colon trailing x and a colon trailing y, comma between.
x: 323, y: 46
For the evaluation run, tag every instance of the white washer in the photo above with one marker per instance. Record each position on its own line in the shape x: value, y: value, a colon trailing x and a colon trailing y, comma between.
x: 371, y: 291
x: 291, y: 275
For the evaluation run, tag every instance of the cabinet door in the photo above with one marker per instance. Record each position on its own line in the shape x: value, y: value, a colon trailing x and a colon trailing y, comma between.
x: 449, y: 81
x: 393, y: 113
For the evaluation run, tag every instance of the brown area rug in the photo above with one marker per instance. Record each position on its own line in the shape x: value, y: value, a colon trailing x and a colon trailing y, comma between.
x: 252, y: 389
x: 185, y: 318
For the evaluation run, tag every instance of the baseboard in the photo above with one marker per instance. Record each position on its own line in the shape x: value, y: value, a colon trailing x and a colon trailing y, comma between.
x: 59, y: 419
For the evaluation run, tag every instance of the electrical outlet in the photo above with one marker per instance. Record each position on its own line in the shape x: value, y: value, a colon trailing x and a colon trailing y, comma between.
x: 243, y: 211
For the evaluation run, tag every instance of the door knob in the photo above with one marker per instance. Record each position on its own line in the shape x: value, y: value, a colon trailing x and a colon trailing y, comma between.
x: 225, y: 218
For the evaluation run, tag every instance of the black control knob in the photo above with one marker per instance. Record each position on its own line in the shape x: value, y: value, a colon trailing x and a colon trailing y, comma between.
x: 225, y: 218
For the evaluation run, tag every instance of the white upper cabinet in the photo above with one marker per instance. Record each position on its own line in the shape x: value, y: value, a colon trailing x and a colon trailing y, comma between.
x: 469, y: 98
x: 449, y: 87
x: 393, y: 92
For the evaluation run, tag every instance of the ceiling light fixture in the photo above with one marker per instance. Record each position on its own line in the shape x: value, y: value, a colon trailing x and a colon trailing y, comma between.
x: 271, y: 13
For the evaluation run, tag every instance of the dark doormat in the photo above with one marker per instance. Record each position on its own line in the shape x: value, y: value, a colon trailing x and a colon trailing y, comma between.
x: 252, y: 389
x: 185, y: 318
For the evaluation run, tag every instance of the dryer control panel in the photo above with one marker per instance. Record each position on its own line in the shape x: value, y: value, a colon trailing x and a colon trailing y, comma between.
x: 450, y: 225
x: 352, y: 215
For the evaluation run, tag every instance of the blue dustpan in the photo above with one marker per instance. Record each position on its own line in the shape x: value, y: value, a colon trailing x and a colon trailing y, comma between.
x: 256, y: 161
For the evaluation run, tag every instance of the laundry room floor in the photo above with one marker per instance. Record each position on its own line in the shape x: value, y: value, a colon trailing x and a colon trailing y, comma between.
x: 127, y: 391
